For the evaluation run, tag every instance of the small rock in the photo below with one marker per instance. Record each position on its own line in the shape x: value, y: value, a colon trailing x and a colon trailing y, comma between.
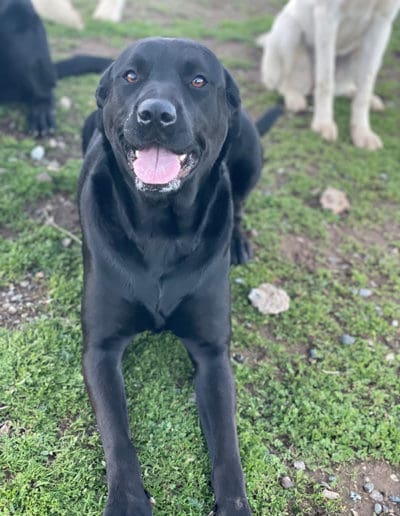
x: 389, y: 357
x: 66, y: 242
x: 334, y: 200
x: 353, y: 512
x: 395, y: 323
x: 37, y: 153
x: 331, y: 495
x: 12, y: 310
x: 65, y: 103
x: 52, y: 143
x: 376, y: 495
x: 5, y: 428
x: 347, y: 340
x: 299, y: 464
x: 365, y: 292
x: 332, y: 478
x: 254, y: 233
x: 269, y: 299
x: 286, y: 482
x: 378, y: 508
x: 53, y: 166
x: 368, y: 487
x: 394, y: 498
x: 39, y: 275
x: 237, y: 357
x: 44, y: 178
x: 240, y: 281
x: 355, y: 496
x: 394, y: 477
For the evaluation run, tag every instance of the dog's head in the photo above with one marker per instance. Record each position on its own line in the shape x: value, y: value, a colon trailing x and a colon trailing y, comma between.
x: 167, y: 107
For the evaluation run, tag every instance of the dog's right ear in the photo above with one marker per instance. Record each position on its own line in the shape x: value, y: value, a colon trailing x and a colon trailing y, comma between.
x: 103, y: 88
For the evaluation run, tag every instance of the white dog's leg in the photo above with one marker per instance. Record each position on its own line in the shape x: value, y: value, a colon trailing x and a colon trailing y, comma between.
x: 371, y: 53
x: 325, y: 26
x: 59, y: 11
x: 109, y: 10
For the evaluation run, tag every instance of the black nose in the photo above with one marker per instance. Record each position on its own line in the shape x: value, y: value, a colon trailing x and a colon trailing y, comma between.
x: 156, y: 111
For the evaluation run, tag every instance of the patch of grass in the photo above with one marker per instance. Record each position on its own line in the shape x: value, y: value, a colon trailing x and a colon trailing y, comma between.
x: 339, y: 407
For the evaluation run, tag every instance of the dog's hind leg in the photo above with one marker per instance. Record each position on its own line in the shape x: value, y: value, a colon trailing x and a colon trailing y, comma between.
x: 287, y: 58
x: 371, y: 53
x: 109, y: 10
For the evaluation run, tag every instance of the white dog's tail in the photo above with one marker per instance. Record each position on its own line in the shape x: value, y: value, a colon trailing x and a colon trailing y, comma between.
x: 270, y: 62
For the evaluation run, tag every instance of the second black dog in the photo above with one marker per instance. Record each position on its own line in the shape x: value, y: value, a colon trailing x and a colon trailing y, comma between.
x: 27, y: 73
x: 161, y: 192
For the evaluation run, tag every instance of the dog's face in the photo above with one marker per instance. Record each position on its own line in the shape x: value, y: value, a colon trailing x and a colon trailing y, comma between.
x: 168, y: 105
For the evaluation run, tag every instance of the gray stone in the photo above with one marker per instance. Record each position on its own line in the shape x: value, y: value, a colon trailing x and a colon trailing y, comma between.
x: 37, y: 153
x: 378, y: 508
x: 287, y: 482
x: 347, y: 340
x: 368, y: 487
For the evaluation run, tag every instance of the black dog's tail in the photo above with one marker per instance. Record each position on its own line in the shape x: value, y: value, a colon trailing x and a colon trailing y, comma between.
x: 267, y: 120
x: 81, y: 64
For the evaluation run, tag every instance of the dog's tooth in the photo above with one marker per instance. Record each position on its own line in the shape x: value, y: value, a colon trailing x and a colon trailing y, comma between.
x: 182, y: 157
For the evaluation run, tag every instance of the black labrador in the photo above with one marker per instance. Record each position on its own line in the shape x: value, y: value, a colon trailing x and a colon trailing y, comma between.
x: 162, y: 186
x: 27, y: 74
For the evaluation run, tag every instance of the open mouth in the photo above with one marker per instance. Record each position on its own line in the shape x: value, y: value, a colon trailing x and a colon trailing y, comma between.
x: 159, y: 166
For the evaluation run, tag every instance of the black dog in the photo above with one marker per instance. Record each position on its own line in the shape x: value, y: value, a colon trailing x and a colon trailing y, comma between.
x: 161, y: 191
x: 27, y: 73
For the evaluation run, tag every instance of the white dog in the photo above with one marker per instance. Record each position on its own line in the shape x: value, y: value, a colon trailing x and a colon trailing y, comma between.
x: 329, y: 47
x: 62, y: 11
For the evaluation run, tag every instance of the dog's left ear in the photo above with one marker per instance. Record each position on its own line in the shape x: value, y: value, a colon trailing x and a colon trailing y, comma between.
x: 234, y: 103
x: 103, y: 88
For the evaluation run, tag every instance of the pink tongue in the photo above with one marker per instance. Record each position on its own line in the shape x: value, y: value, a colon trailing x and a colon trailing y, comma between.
x: 156, y: 166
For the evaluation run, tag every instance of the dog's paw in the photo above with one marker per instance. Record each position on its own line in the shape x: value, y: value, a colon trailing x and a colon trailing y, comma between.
x: 376, y: 103
x: 240, y: 249
x: 328, y: 130
x: 128, y: 505
x: 295, y: 102
x: 232, y: 507
x: 365, y: 138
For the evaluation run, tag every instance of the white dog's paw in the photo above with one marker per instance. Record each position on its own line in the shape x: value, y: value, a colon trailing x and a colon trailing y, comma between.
x: 295, y: 102
x: 376, y: 103
x: 328, y: 130
x: 365, y: 138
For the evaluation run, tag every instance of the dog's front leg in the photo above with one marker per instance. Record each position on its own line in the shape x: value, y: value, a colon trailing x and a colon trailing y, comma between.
x: 108, y: 327
x: 215, y: 395
x: 371, y: 53
x: 325, y: 32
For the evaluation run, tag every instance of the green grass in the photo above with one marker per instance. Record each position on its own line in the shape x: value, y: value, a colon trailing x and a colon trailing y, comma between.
x: 338, y: 409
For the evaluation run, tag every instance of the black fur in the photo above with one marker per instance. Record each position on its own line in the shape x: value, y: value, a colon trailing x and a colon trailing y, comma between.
x: 157, y: 257
x: 27, y: 73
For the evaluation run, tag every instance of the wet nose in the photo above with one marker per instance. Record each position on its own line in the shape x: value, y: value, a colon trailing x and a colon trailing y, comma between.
x: 156, y: 111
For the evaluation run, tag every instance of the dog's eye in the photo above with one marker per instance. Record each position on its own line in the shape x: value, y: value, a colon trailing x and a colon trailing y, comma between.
x: 199, y: 81
x: 131, y: 76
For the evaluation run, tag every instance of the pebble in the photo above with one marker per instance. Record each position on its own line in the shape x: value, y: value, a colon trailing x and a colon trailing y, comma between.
x: 378, y: 508
x: 44, y: 178
x: 355, y: 496
x: 65, y: 103
x: 37, y: 153
x: 332, y: 478
x: 331, y: 495
x: 347, y: 340
x: 394, y: 477
x: 394, y: 499
x: 365, y: 292
x: 299, y: 464
x: 395, y: 323
x: 287, y: 482
x: 269, y: 299
x: 237, y: 357
x: 66, y: 242
x: 54, y: 166
x: 376, y: 495
x: 12, y: 310
x: 390, y: 357
x: 239, y: 281
x: 312, y: 353
x: 368, y: 487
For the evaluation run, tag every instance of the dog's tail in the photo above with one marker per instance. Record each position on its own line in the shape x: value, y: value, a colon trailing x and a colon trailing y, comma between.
x: 267, y: 119
x: 81, y: 64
